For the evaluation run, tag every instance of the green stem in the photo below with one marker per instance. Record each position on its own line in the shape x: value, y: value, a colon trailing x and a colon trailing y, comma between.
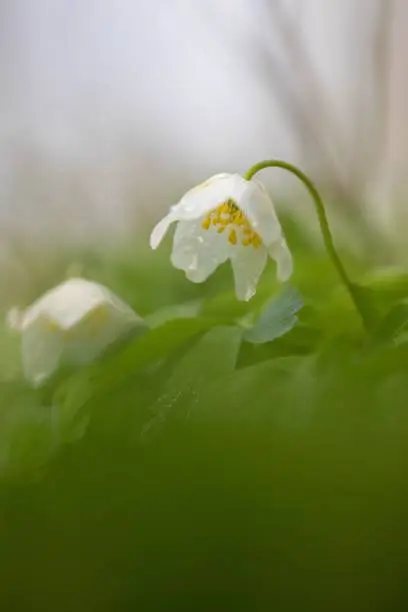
x: 324, y: 226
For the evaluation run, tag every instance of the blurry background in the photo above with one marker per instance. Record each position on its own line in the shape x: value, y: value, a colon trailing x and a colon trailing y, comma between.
x: 201, y: 472
x: 110, y: 110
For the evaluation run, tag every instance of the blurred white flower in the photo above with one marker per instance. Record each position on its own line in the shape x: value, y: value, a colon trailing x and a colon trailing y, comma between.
x: 71, y: 324
x: 14, y: 318
x: 226, y: 217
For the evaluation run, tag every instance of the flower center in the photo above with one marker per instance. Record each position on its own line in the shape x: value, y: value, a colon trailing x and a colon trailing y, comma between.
x: 228, y: 216
x: 90, y: 326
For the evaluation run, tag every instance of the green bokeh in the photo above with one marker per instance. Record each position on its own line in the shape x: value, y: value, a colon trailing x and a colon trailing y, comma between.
x: 192, y: 469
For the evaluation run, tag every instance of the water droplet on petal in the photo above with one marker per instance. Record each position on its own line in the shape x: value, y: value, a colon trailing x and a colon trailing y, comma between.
x: 194, y: 264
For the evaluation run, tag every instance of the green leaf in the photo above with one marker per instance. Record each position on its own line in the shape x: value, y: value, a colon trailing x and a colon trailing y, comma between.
x: 300, y: 340
x: 227, y: 306
x: 10, y: 354
x: 278, y: 317
x: 29, y: 432
x: 98, y: 379
x: 387, y: 284
x: 368, y: 305
x: 185, y: 310
x: 380, y: 290
x: 392, y: 325
x: 156, y: 344
x: 212, y: 358
x: 246, y: 395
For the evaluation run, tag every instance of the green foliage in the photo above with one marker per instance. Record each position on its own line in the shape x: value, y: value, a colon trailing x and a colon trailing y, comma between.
x: 277, y: 318
x: 234, y: 456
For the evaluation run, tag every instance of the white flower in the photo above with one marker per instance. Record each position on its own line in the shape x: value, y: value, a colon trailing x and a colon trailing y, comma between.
x: 71, y: 324
x: 226, y: 217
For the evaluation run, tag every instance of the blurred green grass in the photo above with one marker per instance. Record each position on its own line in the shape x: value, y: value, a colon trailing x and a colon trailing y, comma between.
x: 193, y: 470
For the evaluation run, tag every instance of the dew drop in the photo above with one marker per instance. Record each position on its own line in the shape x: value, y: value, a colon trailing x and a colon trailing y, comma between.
x: 194, y: 264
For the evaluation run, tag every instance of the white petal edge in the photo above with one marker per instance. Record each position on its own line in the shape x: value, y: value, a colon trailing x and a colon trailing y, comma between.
x: 198, y: 252
x: 41, y: 352
x: 160, y: 230
x: 14, y: 319
x: 200, y: 200
x: 260, y: 211
x: 248, y: 264
x: 94, y: 333
x: 210, y: 194
x: 70, y: 301
x: 281, y: 254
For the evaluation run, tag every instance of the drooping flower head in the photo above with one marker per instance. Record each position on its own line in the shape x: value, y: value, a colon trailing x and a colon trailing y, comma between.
x: 70, y: 324
x: 226, y: 217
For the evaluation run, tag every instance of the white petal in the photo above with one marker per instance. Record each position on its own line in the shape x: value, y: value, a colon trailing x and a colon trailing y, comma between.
x: 248, y: 264
x: 72, y: 323
x: 41, y: 350
x: 160, y: 230
x: 260, y: 211
x: 70, y: 301
x: 197, y: 251
x: 197, y: 202
x: 14, y: 319
x: 94, y: 333
x: 283, y: 257
x: 213, y: 192
x: 64, y: 304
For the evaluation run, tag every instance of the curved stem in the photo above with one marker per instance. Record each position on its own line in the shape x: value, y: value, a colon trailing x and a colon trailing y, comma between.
x: 324, y: 226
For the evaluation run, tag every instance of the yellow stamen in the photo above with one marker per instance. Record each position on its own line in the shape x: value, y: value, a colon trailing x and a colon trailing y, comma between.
x: 256, y: 241
x: 229, y: 215
x: 97, y: 320
x: 224, y: 208
x: 239, y: 219
x: 232, y: 237
x: 51, y: 325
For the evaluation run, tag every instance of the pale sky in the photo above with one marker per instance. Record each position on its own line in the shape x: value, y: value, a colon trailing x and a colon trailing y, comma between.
x: 175, y: 70
x: 175, y: 76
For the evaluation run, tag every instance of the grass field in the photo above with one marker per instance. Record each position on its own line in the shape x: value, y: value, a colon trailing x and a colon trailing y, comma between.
x: 234, y: 456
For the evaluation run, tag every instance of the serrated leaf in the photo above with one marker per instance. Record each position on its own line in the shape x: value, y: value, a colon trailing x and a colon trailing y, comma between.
x: 278, y: 317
